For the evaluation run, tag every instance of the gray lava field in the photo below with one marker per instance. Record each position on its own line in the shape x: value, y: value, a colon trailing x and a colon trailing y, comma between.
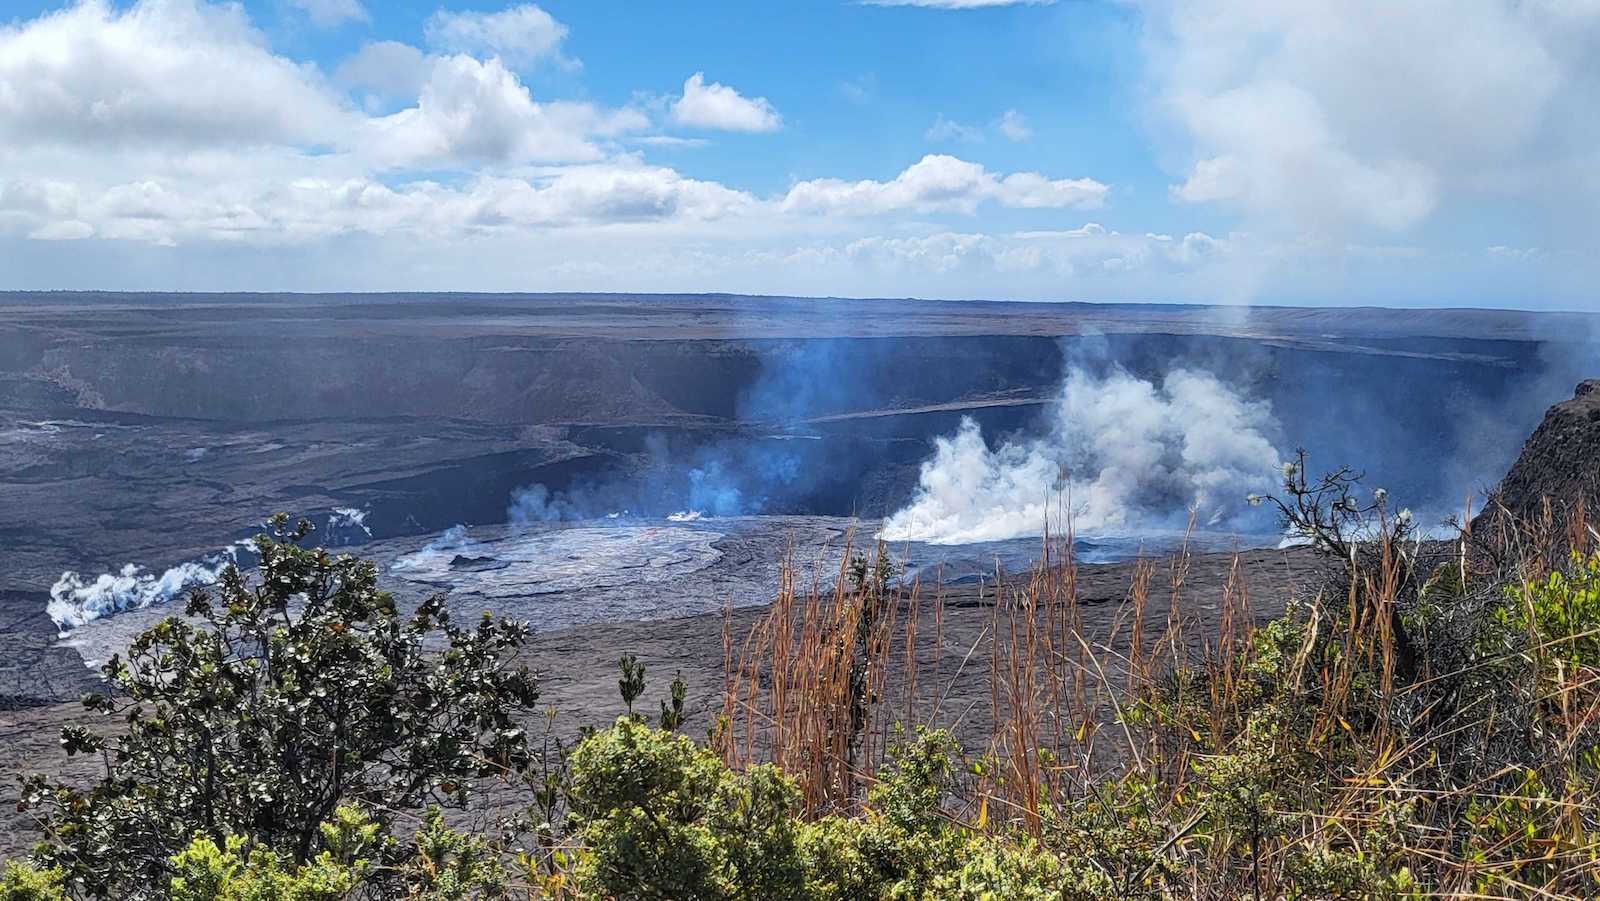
x: 155, y: 429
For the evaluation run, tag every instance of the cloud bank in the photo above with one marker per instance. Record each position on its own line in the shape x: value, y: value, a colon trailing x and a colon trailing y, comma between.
x: 1448, y: 156
x: 939, y: 182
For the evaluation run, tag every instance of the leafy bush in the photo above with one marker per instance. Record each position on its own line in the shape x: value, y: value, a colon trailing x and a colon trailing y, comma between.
x: 660, y: 817
x: 444, y: 866
x: 1562, y: 610
x: 282, y: 698
x: 20, y: 882
x: 203, y: 871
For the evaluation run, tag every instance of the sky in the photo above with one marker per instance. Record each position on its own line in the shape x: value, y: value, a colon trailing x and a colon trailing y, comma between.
x: 1329, y: 152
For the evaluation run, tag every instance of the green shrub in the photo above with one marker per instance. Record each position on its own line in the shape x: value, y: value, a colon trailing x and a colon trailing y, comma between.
x: 1563, y: 612
x: 21, y: 882
x: 836, y: 866
x: 1114, y: 835
x: 1322, y: 872
x: 1529, y: 835
x: 991, y: 870
x: 280, y: 700
x: 920, y: 775
x: 452, y: 866
x: 661, y: 817
x: 444, y: 866
x: 203, y: 871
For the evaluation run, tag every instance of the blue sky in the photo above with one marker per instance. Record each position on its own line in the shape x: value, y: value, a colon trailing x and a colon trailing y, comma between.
x: 1238, y: 151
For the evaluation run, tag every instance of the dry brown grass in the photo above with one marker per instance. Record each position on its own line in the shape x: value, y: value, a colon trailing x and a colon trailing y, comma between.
x: 820, y: 683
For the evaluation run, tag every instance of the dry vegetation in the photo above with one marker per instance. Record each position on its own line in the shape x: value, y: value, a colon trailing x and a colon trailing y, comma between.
x: 1424, y: 725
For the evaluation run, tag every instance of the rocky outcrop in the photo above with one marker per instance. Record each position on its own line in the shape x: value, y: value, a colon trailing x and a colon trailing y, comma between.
x: 34, y: 670
x: 1560, y: 463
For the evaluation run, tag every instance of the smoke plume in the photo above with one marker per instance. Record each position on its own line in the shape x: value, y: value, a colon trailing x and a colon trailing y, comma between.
x: 1122, y: 454
x: 536, y: 504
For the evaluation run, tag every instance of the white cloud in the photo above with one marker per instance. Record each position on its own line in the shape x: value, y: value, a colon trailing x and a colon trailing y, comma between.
x: 1011, y: 125
x: 284, y: 200
x: 1339, y: 115
x: 186, y: 96
x: 611, y: 194
x: 328, y: 13
x: 1030, y: 190
x: 154, y: 75
x: 387, y: 68
x: 136, y: 140
x: 518, y: 34
x: 944, y: 129
x: 481, y: 112
x: 1014, y: 126
x: 942, y: 183
x: 267, y: 210
x: 718, y: 106
x: 118, y: 135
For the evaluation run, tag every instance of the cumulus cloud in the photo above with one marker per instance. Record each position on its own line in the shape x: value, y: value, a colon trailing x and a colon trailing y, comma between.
x: 1331, y: 115
x: 118, y: 136
x: 96, y: 79
x: 328, y: 13
x: 718, y: 106
x: 385, y: 68
x: 943, y: 183
x: 151, y: 75
x: 608, y: 194
x: 518, y: 35
x: 481, y: 112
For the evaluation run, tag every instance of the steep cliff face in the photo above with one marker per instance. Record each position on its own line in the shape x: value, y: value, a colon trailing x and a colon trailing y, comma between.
x: 1560, y: 461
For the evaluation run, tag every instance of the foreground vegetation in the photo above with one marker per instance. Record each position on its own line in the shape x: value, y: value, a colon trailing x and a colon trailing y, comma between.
x: 1423, y: 724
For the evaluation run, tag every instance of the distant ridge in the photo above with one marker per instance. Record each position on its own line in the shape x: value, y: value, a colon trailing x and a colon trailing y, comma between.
x: 773, y: 316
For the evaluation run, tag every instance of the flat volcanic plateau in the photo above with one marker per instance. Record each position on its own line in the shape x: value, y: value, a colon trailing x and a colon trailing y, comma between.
x: 685, y: 443
x: 154, y: 429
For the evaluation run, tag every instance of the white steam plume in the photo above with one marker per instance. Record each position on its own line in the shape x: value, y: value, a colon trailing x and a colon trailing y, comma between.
x: 349, y: 518
x: 75, y: 600
x: 1128, y: 454
x: 536, y: 504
